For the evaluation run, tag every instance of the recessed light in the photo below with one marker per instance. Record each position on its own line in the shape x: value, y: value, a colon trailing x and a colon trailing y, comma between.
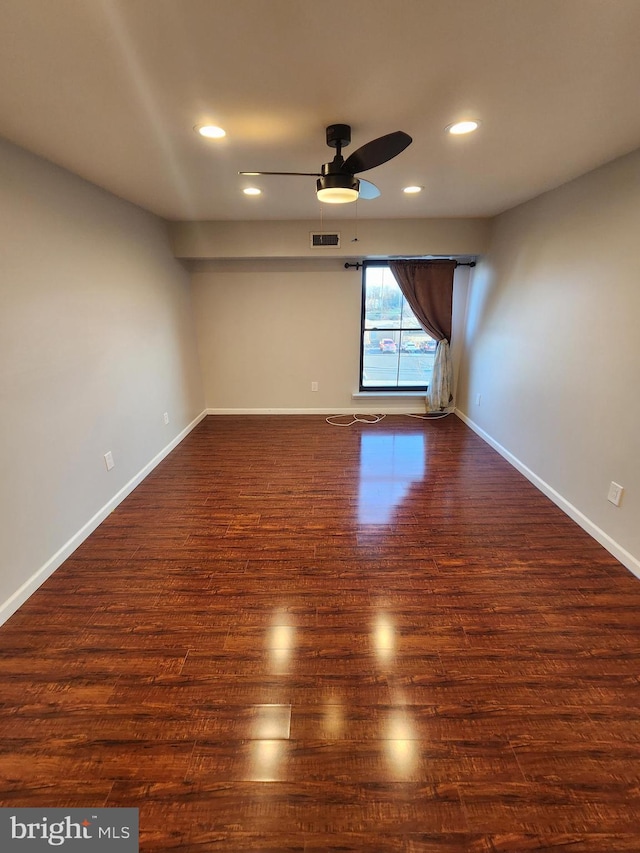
x: 251, y: 191
x: 210, y: 131
x: 461, y: 127
x: 412, y: 190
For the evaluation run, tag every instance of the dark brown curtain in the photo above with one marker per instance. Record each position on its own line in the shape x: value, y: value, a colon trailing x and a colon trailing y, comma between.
x: 428, y: 288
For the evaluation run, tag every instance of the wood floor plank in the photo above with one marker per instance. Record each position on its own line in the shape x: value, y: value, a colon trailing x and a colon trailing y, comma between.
x: 304, y: 809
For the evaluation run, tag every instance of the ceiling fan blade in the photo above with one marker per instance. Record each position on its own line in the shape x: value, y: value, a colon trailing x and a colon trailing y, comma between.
x: 368, y: 190
x: 310, y: 174
x: 377, y: 151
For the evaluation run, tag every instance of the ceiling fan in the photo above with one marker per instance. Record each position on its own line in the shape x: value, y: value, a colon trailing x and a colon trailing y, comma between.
x: 337, y: 182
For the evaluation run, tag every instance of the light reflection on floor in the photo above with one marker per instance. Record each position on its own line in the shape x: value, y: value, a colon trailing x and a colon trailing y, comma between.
x: 389, y: 465
x: 281, y: 642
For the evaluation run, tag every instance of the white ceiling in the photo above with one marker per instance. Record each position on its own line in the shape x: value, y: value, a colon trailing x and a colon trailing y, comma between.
x: 111, y: 90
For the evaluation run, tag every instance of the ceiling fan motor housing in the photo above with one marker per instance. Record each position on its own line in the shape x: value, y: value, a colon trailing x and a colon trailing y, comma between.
x: 337, y: 180
x: 334, y: 175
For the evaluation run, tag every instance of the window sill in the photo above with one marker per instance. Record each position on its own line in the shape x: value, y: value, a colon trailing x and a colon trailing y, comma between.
x: 387, y: 395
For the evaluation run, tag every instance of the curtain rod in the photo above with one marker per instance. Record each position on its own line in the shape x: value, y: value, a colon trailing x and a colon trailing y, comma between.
x: 359, y: 265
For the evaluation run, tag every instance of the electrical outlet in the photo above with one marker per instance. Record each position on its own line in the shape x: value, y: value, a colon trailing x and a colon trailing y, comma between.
x: 166, y: 417
x: 108, y: 460
x: 615, y: 493
x: 478, y: 399
x: 314, y: 386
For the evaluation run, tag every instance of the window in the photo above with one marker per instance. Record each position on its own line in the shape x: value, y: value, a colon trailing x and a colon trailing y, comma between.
x: 396, y: 354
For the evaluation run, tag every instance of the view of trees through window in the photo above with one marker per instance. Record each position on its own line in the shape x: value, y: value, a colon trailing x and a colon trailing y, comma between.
x: 396, y: 353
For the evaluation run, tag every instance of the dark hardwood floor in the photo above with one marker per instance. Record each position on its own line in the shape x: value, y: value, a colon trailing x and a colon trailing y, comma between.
x: 294, y: 638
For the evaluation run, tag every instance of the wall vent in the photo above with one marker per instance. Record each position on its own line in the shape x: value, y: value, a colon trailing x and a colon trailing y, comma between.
x: 324, y: 239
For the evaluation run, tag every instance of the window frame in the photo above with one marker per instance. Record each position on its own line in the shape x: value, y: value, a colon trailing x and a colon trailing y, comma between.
x: 386, y: 389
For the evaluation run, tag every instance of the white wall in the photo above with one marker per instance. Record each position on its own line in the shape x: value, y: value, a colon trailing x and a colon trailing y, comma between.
x: 553, y: 348
x: 96, y: 343
x: 267, y: 329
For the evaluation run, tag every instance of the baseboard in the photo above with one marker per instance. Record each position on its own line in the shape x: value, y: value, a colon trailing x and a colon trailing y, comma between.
x: 625, y: 557
x: 410, y: 408
x: 9, y: 607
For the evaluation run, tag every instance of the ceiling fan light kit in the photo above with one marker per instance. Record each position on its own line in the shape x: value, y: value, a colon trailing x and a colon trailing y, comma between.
x: 337, y: 189
x: 337, y: 195
x: 337, y: 182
